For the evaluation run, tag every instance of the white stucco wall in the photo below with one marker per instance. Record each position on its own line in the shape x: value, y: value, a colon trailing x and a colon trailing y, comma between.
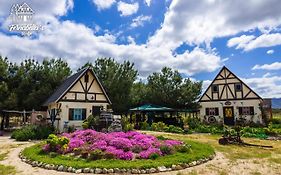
x: 64, y: 114
x: 257, y: 117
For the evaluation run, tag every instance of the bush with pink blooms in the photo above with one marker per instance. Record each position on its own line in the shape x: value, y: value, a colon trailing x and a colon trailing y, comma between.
x: 90, y: 144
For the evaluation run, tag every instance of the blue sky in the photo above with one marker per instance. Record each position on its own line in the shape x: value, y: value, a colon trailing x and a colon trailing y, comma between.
x: 196, y: 37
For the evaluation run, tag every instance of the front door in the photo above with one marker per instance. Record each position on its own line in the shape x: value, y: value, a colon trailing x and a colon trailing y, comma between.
x: 228, y: 114
x: 96, y: 110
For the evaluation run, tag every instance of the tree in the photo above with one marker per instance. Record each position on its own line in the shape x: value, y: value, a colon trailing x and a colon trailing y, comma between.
x: 5, y: 93
x: 31, y: 82
x: 164, y: 87
x: 168, y: 88
x: 139, y: 94
x: 117, y: 79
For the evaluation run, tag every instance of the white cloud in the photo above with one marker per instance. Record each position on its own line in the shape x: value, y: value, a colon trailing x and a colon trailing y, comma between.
x: 273, y: 66
x: 269, y: 52
x: 127, y: 9
x: 250, y: 42
x: 199, y: 22
x: 140, y: 20
x: 103, y: 4
x: 266, y: 87
x: 131, y: 40
x: 78, y: 44
x: 240, y: 41
x: 147, y: 2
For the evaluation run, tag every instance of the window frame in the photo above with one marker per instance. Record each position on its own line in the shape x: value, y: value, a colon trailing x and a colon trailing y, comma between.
x: 246, y: 110
x: 212, y: 111
x: 77, y: 114
x: 217, y: 87
x: 235, y: 87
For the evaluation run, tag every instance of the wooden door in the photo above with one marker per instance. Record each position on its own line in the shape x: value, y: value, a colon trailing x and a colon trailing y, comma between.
x: 228, y: 113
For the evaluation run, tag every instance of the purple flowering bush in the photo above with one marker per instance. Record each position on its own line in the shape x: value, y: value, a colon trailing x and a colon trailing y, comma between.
x: 118, y: 145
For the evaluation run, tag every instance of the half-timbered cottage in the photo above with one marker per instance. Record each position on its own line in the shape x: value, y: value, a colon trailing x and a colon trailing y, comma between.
x: 228, y: 99
x: 76, y: 98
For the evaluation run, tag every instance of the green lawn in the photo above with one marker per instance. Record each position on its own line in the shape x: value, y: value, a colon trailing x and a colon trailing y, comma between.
x: 198, y: 151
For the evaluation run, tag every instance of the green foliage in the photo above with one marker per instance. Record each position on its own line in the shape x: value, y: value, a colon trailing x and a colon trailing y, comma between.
x: 193, y: 122
x: 166, y: 149
x: 173, y: 129
x: 161, y: 137
x: 92, y: 122
x: 126, y: 125
x: 28, y: 84
x: 144, y: 126
x: 154, y: 156
x: 183, y: 148
x: 54, y: 141
x: 159, y: 126
x: 32, y: 132
x: 199, y: 150
x: 168, y: 88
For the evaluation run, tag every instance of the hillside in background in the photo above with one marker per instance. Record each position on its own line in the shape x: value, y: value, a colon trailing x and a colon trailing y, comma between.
x: 276, y: 103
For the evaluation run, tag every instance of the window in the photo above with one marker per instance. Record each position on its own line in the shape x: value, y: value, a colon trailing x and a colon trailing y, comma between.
x: 212, y: 111
x: 238, y: 87
x: 215, y: 88
x: 77, y: 114
x: 247, y: 110
x: 86, y: 78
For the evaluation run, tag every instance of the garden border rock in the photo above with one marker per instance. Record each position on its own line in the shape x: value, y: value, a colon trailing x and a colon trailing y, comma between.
x: 62, y: 168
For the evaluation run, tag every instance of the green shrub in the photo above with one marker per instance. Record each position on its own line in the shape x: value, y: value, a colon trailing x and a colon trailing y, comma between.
x: 32, y: 132
x: 159, y: 126
x: 53, y: 154
x: 144, y: 126
x: 128, y: 127
x: 166, y: 149
x: 174, y: 129
x: 54, y: 141
x: 161, y: 137
x: 193, y: 122
x: 276, y: 121
x: 183, y: 148
x: 154, y: 156
x: 92, y: 122
x: 96, y: 154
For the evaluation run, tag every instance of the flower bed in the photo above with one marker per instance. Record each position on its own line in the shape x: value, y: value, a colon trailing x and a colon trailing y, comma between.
x: 93, y: 145
x: 99, y: 161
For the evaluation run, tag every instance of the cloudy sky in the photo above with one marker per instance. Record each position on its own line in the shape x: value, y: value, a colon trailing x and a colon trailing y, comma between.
x: 196, y: 37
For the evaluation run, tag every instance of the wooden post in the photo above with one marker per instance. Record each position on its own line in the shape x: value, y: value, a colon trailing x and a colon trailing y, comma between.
x: 6, y: 121
x: 2, y: 122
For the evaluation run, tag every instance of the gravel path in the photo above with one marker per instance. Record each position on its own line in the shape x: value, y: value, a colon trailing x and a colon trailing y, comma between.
x: 219, y: 165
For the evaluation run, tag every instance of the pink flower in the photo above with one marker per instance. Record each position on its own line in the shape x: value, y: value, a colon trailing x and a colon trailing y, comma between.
x: 147, y: 153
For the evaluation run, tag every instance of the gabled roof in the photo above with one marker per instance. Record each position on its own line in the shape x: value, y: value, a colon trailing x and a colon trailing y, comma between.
x: 225, y: 68
x: 68, y: 83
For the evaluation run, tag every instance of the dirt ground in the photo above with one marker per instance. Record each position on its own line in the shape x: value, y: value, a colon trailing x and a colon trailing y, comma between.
x: 231, y: 160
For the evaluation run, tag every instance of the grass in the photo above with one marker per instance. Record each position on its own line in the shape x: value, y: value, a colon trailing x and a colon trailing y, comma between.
x: 198, y: 151
x: 7, y: 170
x: 3, y: 155
x: 234, y: 152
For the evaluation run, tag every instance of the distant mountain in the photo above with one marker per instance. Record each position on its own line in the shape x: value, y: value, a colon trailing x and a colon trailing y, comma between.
x: 276, y: 103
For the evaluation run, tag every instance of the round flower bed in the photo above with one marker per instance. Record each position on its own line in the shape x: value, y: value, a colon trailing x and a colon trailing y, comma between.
x: 91, y: 150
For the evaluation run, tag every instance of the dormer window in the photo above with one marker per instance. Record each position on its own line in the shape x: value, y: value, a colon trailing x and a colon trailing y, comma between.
x: 238, y: 87
x: 215, y: 88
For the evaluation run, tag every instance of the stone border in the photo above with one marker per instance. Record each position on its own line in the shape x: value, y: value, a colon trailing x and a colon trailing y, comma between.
x: 62, y: 168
